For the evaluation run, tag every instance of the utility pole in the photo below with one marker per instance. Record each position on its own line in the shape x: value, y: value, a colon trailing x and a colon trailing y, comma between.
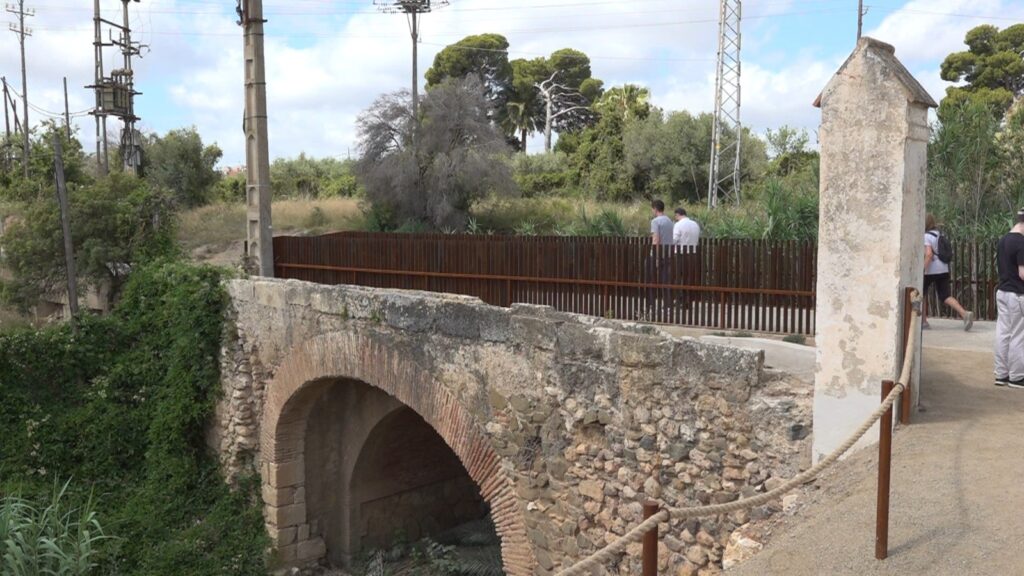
x: 67, y: 115
x: 14, y: 108
x: 7, y: 129
x: 412, y: 9
x: 860, y: 17
x: 101, y: 118
x: 115, y: 94
x: 125, y: 80
x: 22, y: 32
x: 727, y: 132
x: 65, y: 223
x: 259, y: 231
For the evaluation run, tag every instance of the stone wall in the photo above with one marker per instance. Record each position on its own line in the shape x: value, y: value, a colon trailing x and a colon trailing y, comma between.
x: 566, y: 423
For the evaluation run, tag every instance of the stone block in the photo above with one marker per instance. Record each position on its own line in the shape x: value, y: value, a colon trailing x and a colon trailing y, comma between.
x: 285, y: 516
x: 459, y: 320
x: 639, y: 349
x: 310, y: 550
x: 286, y: 474
x: 582, y: 341
x: 286, y: 554
x: 281, y: 536
x: 533, y: 332
x: 277, y: 496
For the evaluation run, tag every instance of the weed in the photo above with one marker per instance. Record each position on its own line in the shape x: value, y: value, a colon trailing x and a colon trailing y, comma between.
x: 795, y: 339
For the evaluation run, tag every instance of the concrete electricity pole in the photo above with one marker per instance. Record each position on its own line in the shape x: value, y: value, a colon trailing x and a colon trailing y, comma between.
x: 102, y: 165
x: 412, y: 9
x: 258, y: 196
x: 7, y: 129
x: 22, y: 32
x: 67, y: 115
x: 860, y: 17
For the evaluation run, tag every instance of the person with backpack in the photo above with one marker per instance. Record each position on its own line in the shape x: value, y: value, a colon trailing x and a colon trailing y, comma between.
x: 938, y: 253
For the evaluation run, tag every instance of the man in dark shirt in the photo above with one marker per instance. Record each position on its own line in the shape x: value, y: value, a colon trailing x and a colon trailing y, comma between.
x: 1009, y: 352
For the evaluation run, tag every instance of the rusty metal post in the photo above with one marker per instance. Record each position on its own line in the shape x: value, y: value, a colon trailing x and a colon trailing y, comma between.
x: 884, y: 468
x: 908, y: 310
x: 650, y: 555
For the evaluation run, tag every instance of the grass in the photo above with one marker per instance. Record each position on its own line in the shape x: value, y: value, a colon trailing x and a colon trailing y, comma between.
x: 223, y: 223
x: 218, y: 225
x: 58, y: 538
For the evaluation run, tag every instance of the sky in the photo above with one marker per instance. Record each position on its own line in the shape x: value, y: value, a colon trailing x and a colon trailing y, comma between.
x: 327, y: 60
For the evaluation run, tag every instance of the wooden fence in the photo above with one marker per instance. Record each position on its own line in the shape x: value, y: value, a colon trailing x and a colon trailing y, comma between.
x: 764, y: 286
x: 755, y: 285
x: 974, y: 279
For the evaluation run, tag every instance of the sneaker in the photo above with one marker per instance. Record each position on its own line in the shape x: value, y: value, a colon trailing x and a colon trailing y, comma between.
x: 1016, y: 383
x: 968, y: 321
x: 1002, y: 380
x: 925, y: 325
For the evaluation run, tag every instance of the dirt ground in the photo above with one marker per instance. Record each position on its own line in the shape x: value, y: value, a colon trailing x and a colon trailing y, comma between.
x: 957, y: 486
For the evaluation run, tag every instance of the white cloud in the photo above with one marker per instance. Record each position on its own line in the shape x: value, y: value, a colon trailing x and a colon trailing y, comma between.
x: 325, y: 63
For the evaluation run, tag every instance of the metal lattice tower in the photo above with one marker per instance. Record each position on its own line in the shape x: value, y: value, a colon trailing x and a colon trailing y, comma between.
x: 724, y: 181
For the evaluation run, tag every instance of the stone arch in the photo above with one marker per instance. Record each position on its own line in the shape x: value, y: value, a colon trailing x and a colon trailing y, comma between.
x: 291, y: 395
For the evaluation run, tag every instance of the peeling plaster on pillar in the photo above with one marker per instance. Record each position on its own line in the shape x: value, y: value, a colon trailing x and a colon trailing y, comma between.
x: 874, y: 137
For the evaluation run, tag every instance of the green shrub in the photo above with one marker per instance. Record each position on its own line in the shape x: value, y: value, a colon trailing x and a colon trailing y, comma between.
x: 542, y: 174
x: 122, y: 407
x: 795, y: 339
x: 316, y: 219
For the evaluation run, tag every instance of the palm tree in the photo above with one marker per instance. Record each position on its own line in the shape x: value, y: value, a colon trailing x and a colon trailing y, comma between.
x: 627, y: 101
x: 520, y: 118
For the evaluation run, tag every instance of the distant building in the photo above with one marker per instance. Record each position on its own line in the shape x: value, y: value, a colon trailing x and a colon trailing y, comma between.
x: 232, y: 170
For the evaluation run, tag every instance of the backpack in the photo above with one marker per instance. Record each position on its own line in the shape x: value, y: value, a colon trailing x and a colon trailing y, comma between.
x: 945, y: 249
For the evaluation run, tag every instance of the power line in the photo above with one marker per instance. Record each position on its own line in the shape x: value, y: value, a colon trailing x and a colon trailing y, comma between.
x: 538, y: 55
x: 560, y: 29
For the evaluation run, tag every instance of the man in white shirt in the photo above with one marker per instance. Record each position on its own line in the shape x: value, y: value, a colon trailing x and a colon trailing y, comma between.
x: 685, y: 232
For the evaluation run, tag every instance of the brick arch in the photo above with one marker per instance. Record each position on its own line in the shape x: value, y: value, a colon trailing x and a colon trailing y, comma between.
x: 291, y: 395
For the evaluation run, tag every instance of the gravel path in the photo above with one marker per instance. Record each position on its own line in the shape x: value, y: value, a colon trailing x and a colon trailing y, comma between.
x: 958, y: 486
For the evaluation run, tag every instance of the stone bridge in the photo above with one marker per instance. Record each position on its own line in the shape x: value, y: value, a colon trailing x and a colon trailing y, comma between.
x: 368, y: 413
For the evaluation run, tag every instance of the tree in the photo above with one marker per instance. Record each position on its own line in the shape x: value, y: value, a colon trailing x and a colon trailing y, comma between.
x: 312, y: 177
x: 181, y: 164
x: 598, y: 159
x: 562, y: 103
x: 963, y: 158
x: 666, y: 155
x: 525, y: 106
x: 458, y: 157
x: 40, y: 183
x: 115, y: 223
x: 484, y: 56
x: 992, y: 68
x: 627, y: 101
x: 787, y: 148
x: 1011, y: 150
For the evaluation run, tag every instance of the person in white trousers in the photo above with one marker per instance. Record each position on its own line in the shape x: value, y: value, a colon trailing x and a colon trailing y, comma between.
x: 1009, y: 345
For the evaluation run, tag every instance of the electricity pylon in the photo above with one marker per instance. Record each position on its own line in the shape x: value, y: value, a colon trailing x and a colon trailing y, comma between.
x: 727, y: 132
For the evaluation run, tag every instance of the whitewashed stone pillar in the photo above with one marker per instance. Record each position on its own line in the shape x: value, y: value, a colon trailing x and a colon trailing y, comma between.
x: 874, y: 138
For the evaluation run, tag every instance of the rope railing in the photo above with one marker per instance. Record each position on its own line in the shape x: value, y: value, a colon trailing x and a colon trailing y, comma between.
x: 612, y: 550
